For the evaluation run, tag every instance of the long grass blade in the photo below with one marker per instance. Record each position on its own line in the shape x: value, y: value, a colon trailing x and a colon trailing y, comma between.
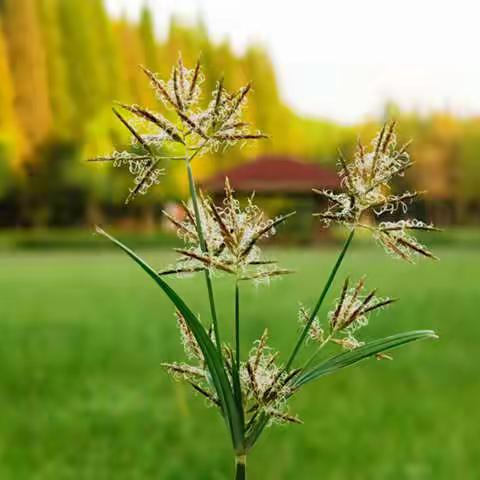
x: 347, y: 359
x: 210, y: 352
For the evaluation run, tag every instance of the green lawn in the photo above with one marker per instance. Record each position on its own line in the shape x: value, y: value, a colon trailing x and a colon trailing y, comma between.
x: 82, y: 394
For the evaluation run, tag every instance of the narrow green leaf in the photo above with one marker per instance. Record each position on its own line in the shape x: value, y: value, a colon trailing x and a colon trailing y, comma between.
x: 326, y: 288
x: 257, y: 430
x: 210, y: 352
x: 346, y: 359
x: 338, y: 362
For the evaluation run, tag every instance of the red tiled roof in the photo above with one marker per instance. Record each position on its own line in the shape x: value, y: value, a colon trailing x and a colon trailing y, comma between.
x: 271, y: 173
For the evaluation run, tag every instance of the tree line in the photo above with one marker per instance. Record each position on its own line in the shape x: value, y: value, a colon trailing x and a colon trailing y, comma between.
x: 63, y: 64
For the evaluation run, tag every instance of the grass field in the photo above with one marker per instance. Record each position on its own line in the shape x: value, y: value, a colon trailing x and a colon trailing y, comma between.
x: 82, y: 394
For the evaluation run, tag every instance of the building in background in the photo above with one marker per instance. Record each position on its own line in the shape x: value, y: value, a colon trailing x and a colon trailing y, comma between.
x: 280, y: 183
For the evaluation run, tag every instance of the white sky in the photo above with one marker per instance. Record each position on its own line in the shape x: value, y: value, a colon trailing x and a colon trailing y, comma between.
x: 343, y: 59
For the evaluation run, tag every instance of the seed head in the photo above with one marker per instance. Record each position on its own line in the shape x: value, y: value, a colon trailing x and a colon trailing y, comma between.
x: 351, y: 312
x: 266, y: 385
x: 231, y: 235
x: 367, y: 192
x: 193, y: 127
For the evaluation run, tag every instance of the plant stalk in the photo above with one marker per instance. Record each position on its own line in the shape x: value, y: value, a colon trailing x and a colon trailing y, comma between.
x: 240, y: 467
x: 203, y: 246
x: 237, y: 324
x: 325, y: 290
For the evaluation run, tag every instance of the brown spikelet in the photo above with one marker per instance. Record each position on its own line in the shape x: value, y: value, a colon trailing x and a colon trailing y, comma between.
x: 253, y: 381
x: 232, y: 126
x: 180, y: 226
x: 113, y: 159
x: 189, y: 214
x: 361, y: 149
x: 378, y: 147
x: 181, y: 73
x: 354, y: 297
x: 242, y: 93
x: 174, y: 271
x: 285, y: 417
x: 194, y: 81
x: 160, y: 89
x: 271, y: 392
x: 184, y: 370
x: 390, y: 244
x: 416, y: 247
x: 404, y: 147
x: 380, y: 304
x: 190, y: 340
x: 259, y: 349
x: 176, y: 89
x: 388, y: 136
x: 265, y: 230
x: 240, y: 136
x: 268, y: 274
x: 156, y: 119
x: 272, y: 359
x: 140, y: 140
x: 226, y: 234
x: 208, y: 261
x: 218, y: 98
x: 203, y: 392
x: 345, y: 169
x: 334, y: 320
x: 194, y: 126
x: 359, y: 310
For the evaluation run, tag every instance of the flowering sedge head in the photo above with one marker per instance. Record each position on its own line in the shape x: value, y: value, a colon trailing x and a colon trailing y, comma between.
x: 266, y: 384
x: 195, y: 372
x: 367, y: 191
x: 188, y: 127
x: 350, y: 313
x: 231, y: 235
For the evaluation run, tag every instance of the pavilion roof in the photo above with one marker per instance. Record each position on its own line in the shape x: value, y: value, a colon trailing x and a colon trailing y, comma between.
x: 275, y: 173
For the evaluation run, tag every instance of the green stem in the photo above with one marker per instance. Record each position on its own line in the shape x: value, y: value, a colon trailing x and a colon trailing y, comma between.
x: 237, y: 388
x: 257, y: 430
x: 237, y: 324
x: 325, y: 290
x: 317, y: 351
x: 203, y: 246
x: 241, y: 467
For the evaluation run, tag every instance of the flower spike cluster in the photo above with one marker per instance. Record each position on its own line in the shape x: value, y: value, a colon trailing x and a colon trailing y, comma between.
x: 252, y: 393
x: 196, y: 375
x: 231, y: 235
x: 349, y: 314
x: 367, y: 190
x: 188, y: 125
x: 266, y: 385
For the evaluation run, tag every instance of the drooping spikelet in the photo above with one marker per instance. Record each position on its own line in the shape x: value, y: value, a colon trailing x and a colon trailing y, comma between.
x: 195, y: 375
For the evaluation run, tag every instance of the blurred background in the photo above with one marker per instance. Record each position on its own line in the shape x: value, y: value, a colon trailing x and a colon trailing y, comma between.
x: 82, y: 333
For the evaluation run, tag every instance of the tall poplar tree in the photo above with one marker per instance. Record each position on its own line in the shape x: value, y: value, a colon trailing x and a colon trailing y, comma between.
x: 60, y: 98
x: 29, y: 69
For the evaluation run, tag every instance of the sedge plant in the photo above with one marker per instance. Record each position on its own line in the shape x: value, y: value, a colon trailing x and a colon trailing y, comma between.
x: 222, y: 238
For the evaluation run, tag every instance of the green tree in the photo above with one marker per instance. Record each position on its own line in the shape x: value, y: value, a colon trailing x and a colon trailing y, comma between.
x: 10, y: 141
x: 29, y: 69
x: 60, y: 98
x: 147, y: 36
